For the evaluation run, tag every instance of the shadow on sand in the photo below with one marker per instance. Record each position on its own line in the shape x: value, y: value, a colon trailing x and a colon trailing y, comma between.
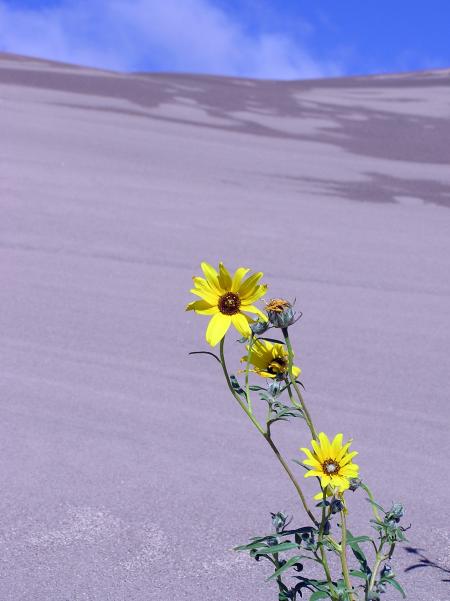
x: 422, y: 561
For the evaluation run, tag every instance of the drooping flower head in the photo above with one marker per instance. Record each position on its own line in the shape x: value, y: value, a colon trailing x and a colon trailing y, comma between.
x: 227, y: 298
x: 269, y: 360
x: 331, y: 462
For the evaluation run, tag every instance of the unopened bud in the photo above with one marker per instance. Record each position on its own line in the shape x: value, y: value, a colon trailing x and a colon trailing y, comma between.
x: 259, y: 327
x: 354, y: 484
x: 280, y: 313
x: 336, y: 505
x: 279, y: 520
x: 395, y: 513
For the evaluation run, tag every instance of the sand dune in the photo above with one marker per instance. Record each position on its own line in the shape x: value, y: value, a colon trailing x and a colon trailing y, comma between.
x: 127, y: 471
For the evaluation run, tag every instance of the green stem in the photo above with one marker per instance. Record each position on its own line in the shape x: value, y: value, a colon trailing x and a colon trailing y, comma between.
x: 371, y: 497
x: 292, y: 478
x: 296, y: 386
x: 247, y: 368
x: 379, y: 558
x: 234, y: 393
x: 344, y: 564
x: 323, y: 554
x: 376, y: 567
x: 265, y: 434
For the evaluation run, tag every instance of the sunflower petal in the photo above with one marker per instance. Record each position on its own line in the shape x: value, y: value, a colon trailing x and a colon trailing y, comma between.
x: 337, y: 444
x: 253, y: 309
x: 206, y: 295
x: 296, y: 371
x: 217, y: 328
x: 318, y: 450
x: 255, y: 294
x: 325, y: 479
x: 211, y: 276
x: 311, y: 473
x: 249, y: 285
x: 224, y: 278
x: 348, y: 457
x: 240, y: 322
x: 237, y: 278
x: 202, y: 307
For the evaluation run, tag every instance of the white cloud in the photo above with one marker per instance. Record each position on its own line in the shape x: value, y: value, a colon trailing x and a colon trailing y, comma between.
x: 170, y: 35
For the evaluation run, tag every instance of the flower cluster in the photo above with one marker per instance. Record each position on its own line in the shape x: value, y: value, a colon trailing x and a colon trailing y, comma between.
x: 229, y: 300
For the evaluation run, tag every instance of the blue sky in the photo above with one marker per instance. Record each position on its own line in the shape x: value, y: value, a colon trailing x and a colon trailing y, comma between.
x: 282, y: 39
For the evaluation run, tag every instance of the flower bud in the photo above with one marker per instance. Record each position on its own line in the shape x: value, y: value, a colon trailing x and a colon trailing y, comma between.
x: 354, y: 484
x: 278, y: 521
x: 259, y: 327
x: 394, y: 514
x: 386, y: 571
x: 275, y: 388
x: 336, y: 505
x: 280, y: 313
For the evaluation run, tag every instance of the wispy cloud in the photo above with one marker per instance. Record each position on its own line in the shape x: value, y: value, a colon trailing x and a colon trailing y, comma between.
x: 170, y: 35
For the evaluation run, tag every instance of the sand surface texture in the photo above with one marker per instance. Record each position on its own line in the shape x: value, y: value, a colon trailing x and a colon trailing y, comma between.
x: 128, y: 472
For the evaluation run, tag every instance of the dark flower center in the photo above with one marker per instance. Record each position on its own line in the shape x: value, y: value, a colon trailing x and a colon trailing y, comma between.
x: 229, y: 303
x: 277, y: 366
x: 331, y: 467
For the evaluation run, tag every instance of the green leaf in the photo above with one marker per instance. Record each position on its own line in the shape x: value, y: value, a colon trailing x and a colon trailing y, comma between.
x: 251, y: 546
x: 359, y: 574
x: 236, y: 386
x: 305, y: 467
x: 290, y: 562
x: 254, y: 387
x: 206, y: 353
x: 375, y: 505
x: 393, y: 582
x: 281, y: 547
x: 357, y: 539
x: 319, y: 595
x: 271, y: 340
x: 358, y: 552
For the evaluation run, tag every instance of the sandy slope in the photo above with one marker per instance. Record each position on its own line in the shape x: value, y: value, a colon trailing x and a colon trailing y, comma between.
x: 127, y: 471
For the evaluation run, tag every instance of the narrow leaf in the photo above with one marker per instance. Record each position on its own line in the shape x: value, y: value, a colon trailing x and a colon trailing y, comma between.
x: 271, y: 340
x: 285, y: 566
x: 395, y: 584
x: 206, y: 353
x: 319, y: 595
x: 359, y: 574
x: 281, y: 547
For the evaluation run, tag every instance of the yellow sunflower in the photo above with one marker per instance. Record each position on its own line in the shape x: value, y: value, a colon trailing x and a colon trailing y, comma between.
x: 269, y: 360
x: 331, y: 462
x: 226, y: 298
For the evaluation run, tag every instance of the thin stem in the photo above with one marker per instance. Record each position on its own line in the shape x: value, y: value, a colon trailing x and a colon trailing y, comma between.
x: 264, y: 433
x: 247, y: 385
x: 379, y: 558
x: 295, y: 385
x: 344, y: 564
x: 292, y: 478
x: 371, y: 497
x: 375, y: 569
x: 234, y: 393
x: 323, y: 554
